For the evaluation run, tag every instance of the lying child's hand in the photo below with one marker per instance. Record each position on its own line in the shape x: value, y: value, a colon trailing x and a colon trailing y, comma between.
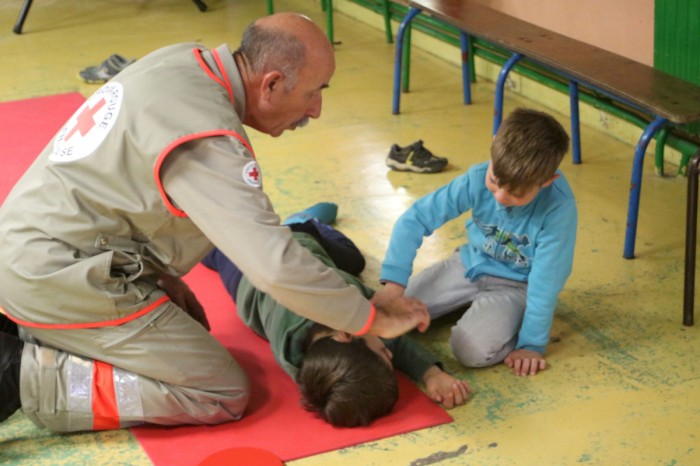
x: 444, y: 388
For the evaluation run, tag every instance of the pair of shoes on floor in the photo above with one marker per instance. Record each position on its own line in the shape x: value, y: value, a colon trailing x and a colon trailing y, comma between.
x: 324, y: 212
x: 414, y: 158
x: 109, y: 68
x: 10, y: 358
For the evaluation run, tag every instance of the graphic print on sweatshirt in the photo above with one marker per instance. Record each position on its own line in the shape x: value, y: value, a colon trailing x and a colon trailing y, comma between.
x: 504, y: 246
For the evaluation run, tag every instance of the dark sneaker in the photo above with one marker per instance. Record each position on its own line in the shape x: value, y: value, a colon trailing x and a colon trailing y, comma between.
x: 10, y: 358
x: 415, y: 158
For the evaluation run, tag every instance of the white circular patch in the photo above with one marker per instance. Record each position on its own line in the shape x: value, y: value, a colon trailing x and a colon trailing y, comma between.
x: 89, y: 126
x: 251, y: 174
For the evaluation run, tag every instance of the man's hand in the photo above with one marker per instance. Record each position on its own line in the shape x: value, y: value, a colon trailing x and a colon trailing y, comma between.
x: 397, y: 314
x: 525, y: 362
x: 445, y: 389
x: 180, y: 294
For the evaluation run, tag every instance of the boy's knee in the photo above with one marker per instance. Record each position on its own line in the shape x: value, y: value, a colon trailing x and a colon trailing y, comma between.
x: 472, y: 350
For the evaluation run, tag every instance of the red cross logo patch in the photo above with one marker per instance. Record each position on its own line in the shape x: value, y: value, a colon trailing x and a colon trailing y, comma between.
x: 89, y: 126
x: 251, y: 174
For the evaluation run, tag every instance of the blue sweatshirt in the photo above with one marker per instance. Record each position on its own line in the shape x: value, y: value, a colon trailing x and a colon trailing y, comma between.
x: 533, y: 243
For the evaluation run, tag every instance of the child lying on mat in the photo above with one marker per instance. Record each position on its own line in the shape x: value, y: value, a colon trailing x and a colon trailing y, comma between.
x: 347, y: 380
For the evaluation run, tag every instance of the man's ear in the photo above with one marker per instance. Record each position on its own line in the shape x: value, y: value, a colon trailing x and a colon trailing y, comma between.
x: 550, y: 181
x: 271, y: 82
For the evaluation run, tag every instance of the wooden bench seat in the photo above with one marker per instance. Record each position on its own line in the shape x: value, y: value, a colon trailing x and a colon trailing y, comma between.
x: 663, y: 98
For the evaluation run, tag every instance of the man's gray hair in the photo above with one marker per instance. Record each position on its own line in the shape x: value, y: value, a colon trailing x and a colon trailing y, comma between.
x: 267, y: 49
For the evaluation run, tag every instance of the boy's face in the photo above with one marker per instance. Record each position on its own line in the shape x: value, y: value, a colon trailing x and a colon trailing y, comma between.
x: 373, y: 342
x: 507, y: 199
x: 377, y: 345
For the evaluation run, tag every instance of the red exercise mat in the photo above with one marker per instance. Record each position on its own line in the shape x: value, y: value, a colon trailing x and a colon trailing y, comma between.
x: 274, y: 420
x: 26, y: 126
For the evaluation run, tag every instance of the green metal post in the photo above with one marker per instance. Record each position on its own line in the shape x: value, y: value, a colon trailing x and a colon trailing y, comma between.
x: 387, y: 21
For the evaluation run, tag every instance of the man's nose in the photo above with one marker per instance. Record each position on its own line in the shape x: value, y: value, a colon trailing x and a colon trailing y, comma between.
x: 314, y: 109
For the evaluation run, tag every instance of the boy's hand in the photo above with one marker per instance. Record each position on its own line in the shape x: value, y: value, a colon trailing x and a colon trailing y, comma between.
x: 445, y: 389
x: 525, y: 362
x: 397, y: 314
x: 182, y: 295
x: 389, y: 292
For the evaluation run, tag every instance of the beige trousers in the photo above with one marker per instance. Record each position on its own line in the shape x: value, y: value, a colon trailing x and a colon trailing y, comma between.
x: 162, y: 368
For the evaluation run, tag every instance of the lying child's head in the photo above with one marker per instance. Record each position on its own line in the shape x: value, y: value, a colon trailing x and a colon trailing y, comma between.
x: 525, y: 155
x: 347, y: 381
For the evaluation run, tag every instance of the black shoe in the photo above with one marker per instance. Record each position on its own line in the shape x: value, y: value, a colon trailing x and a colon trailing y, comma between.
x: 10, y: 359
x: 415, y: 158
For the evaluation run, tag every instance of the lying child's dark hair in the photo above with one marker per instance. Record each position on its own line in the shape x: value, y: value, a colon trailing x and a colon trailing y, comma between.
x: 346, y: 384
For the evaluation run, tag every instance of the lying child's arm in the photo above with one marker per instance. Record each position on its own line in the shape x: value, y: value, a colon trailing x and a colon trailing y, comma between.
x: 444, y: 388
x: 417, y: 362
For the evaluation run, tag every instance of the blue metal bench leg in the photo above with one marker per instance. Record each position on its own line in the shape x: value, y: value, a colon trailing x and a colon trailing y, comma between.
x: 636, y: 184
x: 412, y: 13
x: 691, y: 234
x: 500, y: 86
x: 466, y: 74
x: 575, y: 125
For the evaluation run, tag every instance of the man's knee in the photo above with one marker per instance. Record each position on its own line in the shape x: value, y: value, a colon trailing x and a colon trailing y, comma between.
x: 233, y: 395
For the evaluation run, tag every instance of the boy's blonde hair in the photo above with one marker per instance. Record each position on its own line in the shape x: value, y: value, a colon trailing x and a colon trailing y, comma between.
x: 527, y: 150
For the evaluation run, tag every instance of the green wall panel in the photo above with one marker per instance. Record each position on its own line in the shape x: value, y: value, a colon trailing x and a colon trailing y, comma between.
x: 677, y: 41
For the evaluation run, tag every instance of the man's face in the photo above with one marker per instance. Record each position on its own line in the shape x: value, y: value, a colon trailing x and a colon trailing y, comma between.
x: 292, y: 108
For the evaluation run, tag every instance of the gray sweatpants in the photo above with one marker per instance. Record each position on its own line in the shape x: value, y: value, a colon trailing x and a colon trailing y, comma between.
x: 488, y: 331
x: 161, y: 368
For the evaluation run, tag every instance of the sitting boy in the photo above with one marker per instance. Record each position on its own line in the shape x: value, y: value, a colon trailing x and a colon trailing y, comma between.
x: 519, y: 253
x: 347, y: 380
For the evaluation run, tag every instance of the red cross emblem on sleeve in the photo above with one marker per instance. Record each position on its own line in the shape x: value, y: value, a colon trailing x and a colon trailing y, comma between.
x: 251, y: 174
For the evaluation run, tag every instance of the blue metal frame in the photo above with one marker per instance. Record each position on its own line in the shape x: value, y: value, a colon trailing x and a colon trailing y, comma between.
x: 400, y: 35
x: 575, y: 125
x: 640, y: 150
x: 500, y: 89
x: 636, y: 184
x: 466, y: 75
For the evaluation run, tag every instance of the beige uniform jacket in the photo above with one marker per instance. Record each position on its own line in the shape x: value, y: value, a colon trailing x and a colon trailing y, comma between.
x: 150, y: 172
